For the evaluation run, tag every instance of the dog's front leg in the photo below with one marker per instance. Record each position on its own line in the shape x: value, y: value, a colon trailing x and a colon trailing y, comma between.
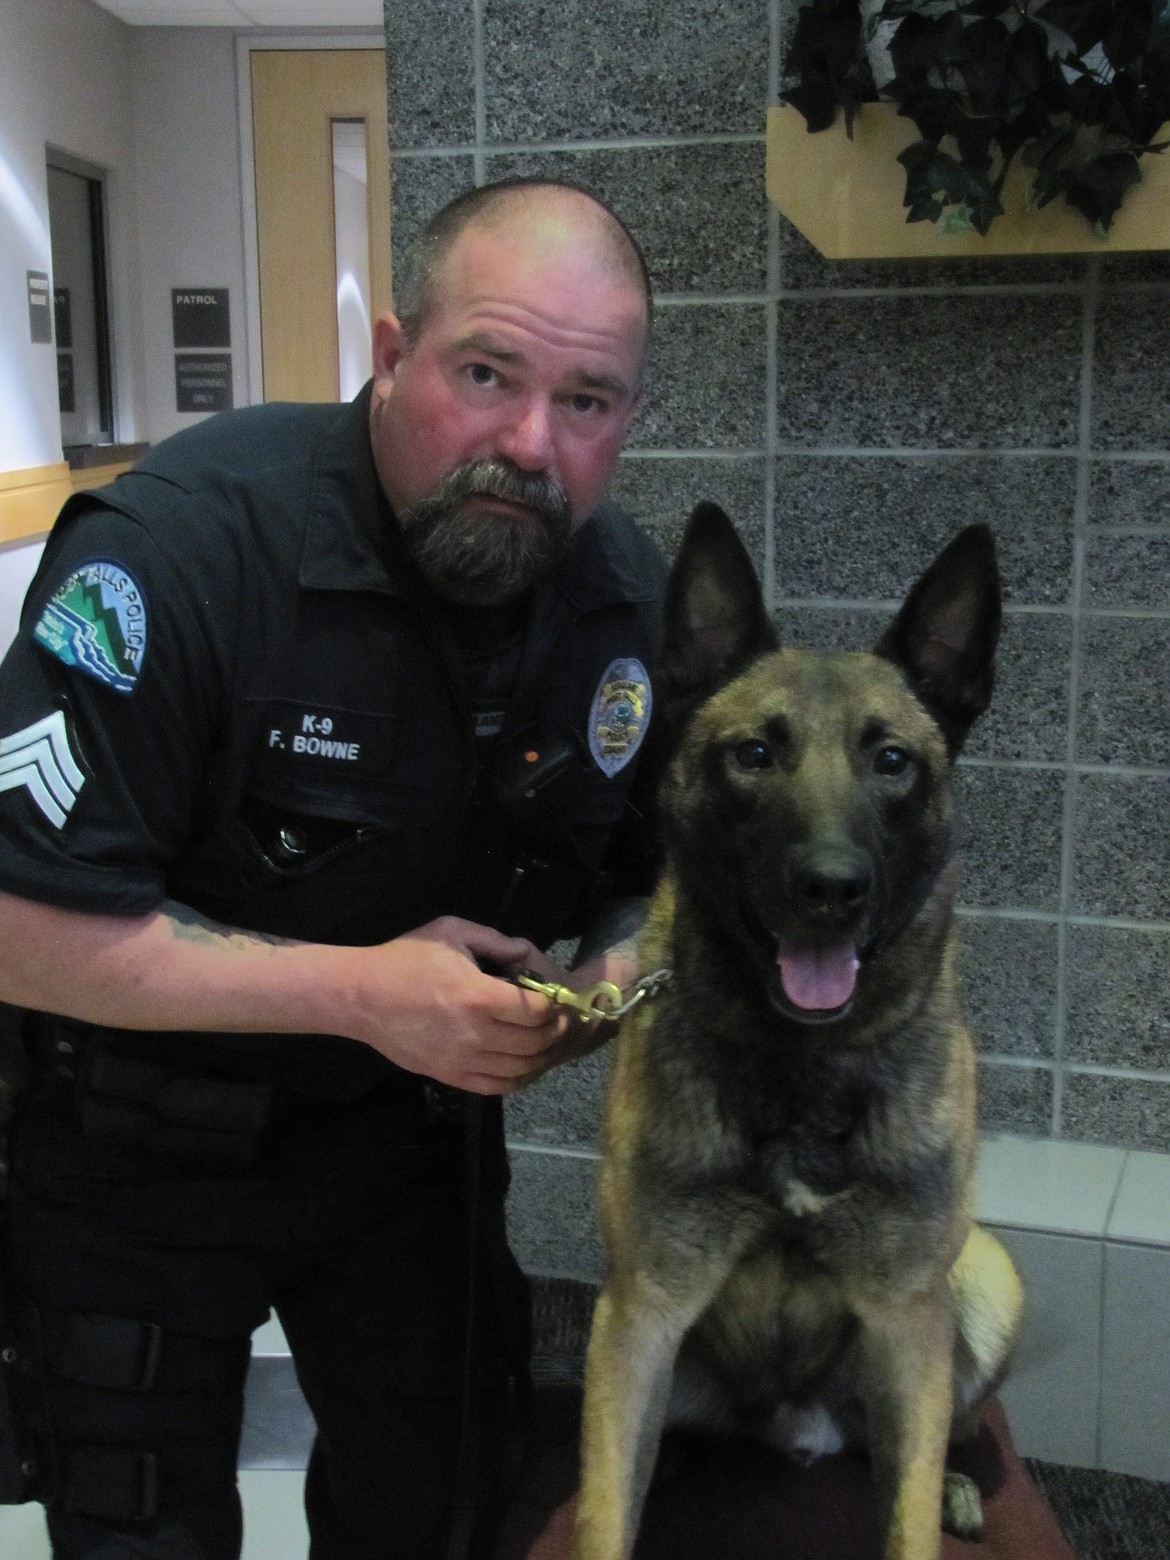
x: 628, y: 1372
x: 638, y: 1325
x: 907, y: 1347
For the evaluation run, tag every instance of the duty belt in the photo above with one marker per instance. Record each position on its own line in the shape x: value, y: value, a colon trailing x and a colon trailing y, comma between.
x: 170, y: 1109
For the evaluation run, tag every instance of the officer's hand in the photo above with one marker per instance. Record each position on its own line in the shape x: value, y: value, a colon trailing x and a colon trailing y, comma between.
x: 426, y: 1004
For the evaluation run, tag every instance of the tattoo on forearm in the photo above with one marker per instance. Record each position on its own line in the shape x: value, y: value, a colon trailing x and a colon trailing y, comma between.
x: 189, y: 926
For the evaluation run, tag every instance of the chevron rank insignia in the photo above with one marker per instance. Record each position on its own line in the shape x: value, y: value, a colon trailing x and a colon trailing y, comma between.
x: 96, y: 622
x: 41, y: 759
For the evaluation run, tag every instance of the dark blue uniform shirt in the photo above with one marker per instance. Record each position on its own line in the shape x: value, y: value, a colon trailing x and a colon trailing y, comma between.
x: 231, y: 689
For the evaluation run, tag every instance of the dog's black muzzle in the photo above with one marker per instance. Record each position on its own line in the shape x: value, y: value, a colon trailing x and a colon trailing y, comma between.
x: 812, y: 920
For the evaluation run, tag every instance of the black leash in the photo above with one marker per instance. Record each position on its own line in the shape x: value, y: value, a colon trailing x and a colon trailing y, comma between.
x: 466, y: 1504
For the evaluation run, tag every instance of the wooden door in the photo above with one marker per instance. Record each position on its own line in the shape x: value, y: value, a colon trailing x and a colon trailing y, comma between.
x: 297, y: 94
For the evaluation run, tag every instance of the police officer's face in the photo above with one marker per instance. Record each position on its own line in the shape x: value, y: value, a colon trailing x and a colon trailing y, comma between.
x: 530, y: 358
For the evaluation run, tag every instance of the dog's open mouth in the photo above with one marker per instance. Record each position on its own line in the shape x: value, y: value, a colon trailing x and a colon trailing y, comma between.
x: 818, y: 983
x: 810, y: 981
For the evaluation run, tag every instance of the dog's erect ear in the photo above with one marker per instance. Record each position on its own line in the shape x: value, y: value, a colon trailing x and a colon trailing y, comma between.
x: 716, y: 621
x: 944, y: 637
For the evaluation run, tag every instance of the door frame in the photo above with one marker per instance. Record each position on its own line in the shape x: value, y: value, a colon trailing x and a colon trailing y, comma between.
x: 246, y: 45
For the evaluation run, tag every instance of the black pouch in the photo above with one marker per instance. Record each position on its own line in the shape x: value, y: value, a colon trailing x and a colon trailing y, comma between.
x: 207, y: 1122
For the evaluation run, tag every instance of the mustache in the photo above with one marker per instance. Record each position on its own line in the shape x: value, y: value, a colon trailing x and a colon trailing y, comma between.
x: 498, y: 478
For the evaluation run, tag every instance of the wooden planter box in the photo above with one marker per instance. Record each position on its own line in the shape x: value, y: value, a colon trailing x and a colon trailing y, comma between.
x: 846, y: 195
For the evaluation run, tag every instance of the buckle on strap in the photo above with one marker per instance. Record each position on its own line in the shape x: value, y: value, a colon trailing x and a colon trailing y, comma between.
x: 110, y: 1482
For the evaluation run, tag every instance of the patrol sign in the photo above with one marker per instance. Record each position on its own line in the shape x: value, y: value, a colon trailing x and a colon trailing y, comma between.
x: 96, y: 622
x: 201, y: 317
x: 619, y: 715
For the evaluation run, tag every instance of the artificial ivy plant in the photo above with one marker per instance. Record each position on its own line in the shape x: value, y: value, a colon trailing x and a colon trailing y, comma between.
x: 1078, y: 89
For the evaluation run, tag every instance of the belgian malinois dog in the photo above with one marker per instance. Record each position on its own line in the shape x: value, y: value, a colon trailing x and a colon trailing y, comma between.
x: 790, y: 1126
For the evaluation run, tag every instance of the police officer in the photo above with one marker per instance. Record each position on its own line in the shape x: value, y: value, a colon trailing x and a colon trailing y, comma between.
x: 318, y: 723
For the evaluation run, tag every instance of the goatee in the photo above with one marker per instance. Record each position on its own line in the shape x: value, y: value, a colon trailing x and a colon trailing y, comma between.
x: 475, y: 554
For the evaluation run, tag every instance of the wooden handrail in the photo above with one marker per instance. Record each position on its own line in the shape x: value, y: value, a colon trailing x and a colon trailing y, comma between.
x: 31, y: 499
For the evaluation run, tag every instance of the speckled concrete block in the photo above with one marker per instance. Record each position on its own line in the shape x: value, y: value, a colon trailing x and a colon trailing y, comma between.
x: 1015, y: 1099
x: 661, y: 492
x: 1007, y: 970
x: 1122, y: 860
x: 1118, y: 1013
x: 1029, y: 713
x: 1130, y: 492
x: 563, y: 1108
x: 1131, y: 370
x: 1123, y: 714
x: 1127, y: 1112
x: 430, y: 62
x: 1010, y: 834
x: 867, y: 528
x: 803, y: 268
x: 1122, y: 570
x: 643, y: 67
x: 552, y: 1220
x: 705, y: 382
x: 1135, y: 266
x: 420, y: 187
x: 831, y: 628
x: 951, y: 371
x: 698, y: 212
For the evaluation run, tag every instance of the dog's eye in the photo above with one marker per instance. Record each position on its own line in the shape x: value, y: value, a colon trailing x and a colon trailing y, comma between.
x: 753, y: 755
x: 892, y: 761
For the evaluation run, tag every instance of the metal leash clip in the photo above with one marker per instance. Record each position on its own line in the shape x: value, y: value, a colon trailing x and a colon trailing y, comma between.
x: 602, y: 1000
x: 597, y: 1001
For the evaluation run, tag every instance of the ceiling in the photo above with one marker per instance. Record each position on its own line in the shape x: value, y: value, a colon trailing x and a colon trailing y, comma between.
x: 246, y: 13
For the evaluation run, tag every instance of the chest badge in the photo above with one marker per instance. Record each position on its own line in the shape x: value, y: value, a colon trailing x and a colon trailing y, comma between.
x: 619, y: 715
x: 96, y: 622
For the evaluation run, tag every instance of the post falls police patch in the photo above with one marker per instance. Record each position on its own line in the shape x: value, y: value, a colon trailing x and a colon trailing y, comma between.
x: 96, y: 622
x: 619, y: 715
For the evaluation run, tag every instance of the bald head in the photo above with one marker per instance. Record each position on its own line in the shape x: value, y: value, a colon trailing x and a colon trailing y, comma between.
x: 546, y: 213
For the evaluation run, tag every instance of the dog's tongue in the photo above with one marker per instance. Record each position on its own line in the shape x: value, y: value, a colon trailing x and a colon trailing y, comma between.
x: 819, y: 977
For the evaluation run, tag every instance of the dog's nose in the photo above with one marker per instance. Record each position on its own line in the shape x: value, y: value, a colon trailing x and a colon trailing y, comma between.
x: 833, y: 891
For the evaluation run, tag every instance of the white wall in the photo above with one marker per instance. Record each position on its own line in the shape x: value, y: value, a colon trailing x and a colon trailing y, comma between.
x: 156, y: 108
x: 187, y: 141
x: 64, y: 83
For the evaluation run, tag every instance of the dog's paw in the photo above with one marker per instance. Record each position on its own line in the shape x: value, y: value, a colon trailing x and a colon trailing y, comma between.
x: 962, y: 1512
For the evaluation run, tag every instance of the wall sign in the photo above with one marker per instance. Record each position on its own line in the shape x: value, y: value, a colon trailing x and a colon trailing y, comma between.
x: 63, y: 318
x: 66, y: 389
x: 40, y: 316
x: 200, y: 317
x: 203, y: 381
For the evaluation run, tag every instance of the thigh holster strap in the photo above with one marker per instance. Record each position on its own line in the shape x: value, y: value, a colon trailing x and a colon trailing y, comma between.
x: 122, y: 1484
x: 125, y: 1355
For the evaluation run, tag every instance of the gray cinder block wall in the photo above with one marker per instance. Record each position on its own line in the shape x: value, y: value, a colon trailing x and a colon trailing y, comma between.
x: 851, y: 416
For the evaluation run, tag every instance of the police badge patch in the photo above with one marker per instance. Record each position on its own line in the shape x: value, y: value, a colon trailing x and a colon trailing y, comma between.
x: 620, y: 715
x: 96, y: 622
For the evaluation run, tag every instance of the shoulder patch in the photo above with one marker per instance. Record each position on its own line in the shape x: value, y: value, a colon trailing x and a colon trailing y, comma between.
x: 96, y: 622
x: 41, y: 759
x: 620, y: 715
